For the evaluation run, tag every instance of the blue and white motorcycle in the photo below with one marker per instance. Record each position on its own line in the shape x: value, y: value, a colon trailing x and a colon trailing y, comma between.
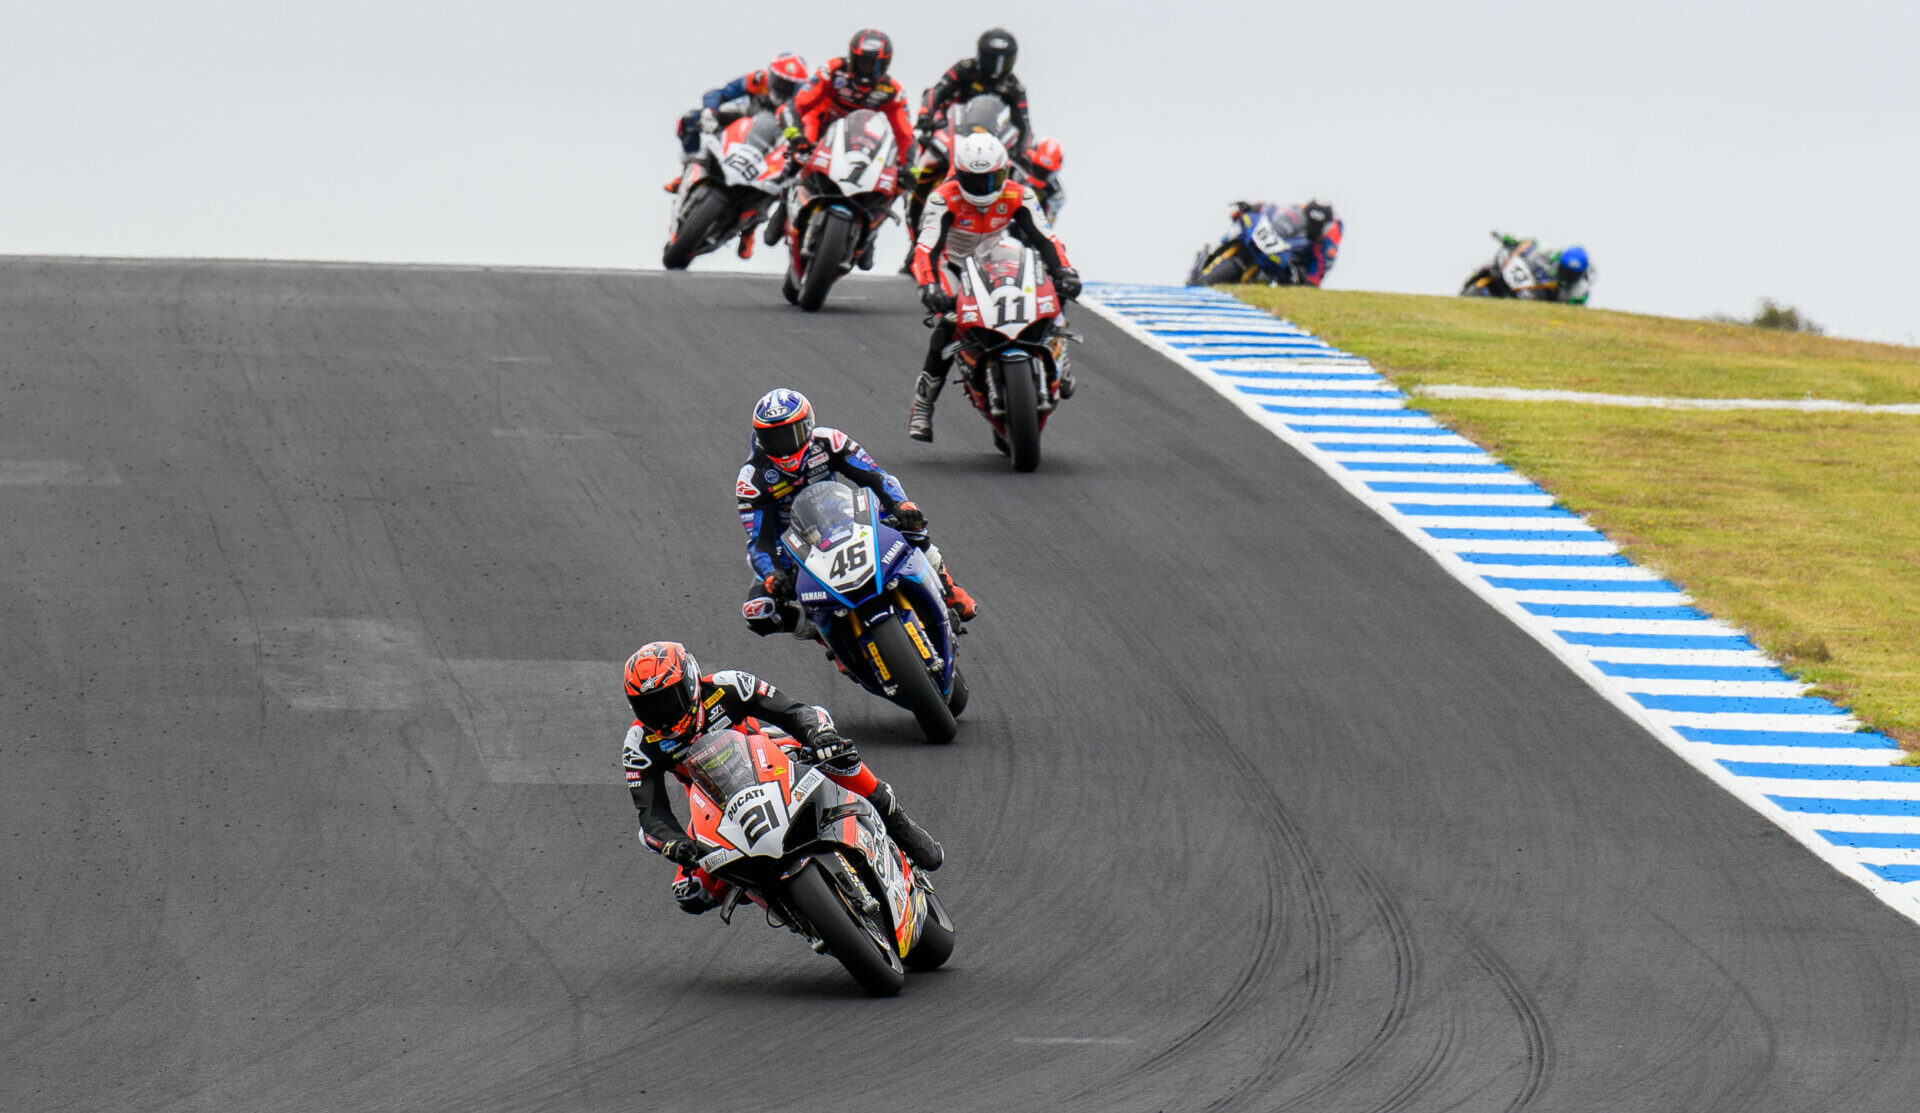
x: 876, y: 602
x: 1263, y: 246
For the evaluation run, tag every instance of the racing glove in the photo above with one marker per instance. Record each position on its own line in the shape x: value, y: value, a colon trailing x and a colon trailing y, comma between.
x: 709, y: 121
x: 780, y: 584
x: 923, y: 127
x: 681, y: 852
x: 935, y: 299
x: 910, y: 518
x: 829, y: 745
x: 1066, y: 283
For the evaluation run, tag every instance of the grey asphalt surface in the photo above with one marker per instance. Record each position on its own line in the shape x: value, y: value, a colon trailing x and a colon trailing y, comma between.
x: 315, y: 582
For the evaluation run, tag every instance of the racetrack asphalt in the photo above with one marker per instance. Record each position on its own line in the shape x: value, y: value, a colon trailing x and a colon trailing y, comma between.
x: 317, y: 579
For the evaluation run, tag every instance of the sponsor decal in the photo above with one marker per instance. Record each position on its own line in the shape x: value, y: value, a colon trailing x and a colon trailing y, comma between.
x: 634, y: 776
x: 758, y: 608
x: 771, y: 475
x: 894, y: 551
x: 746, y: 490
x: 836, y: 439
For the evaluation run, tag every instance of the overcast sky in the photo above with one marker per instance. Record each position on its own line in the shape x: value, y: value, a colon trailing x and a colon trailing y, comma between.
x: 1706, y: 153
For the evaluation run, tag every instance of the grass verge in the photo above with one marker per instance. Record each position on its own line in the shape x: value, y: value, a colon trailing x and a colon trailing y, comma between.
x: 1803, y: 529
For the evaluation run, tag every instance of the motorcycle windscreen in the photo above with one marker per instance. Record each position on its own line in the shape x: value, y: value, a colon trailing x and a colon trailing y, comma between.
x: 986, y: 113
x: 766, y: 132
x: 821, y: 517
x: 867, y: 133
x: 721, y: 764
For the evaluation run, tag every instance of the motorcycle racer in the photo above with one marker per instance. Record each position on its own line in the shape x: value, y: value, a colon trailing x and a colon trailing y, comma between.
x: 975, y: 205
x: 1565, y: 275
x: 1314, y: 220
x: 673, y: 705
x: 1041, y: 170
x: 858, y: 80
x: 789, y: 453
x: 764, y: 90
x: 990, y: 70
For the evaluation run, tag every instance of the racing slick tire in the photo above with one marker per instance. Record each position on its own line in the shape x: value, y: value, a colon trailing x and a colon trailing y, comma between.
x: 935, y: 945
x: 917, y: 691
x: 1226, y: 267
x: 849, y: 937
x: 1023, y: 413
x: 703, y: 218
x: 957, y: 701
x: 831, y: 246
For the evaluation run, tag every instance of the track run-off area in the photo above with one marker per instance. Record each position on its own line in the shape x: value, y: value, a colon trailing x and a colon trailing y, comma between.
x: 317, y: 580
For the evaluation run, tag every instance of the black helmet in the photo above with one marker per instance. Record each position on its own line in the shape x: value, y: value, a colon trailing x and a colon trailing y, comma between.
x: 868, y: 56
x: 996, y: 53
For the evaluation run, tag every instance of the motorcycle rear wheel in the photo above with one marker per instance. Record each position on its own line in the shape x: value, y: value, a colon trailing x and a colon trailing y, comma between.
x: 1023, y: 413
x: 916, y: 689
x: 877, y: 968
x: 1225, y: 268
x: 831, y: 246
x: 703, y: 216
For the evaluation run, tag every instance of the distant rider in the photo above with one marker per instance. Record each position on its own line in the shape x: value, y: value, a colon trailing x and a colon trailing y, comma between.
x: 1314, y: 221
x: 673, y: 705
x: 990, y: 70
x: 844, y: 85
x: 1041, y: 170
x: 1564, y: 276
x: 975, y: 205
x: 789, y: 453
x: 759, y: 91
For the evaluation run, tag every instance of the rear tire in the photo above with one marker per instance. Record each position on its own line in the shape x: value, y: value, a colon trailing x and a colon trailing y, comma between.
x: 878, y: 969
x: 916, y: 690
x: 1023, y: 413
x: 1225, y: 268
x: 830, y: 247
x: 935, y: 945
x: 703, y: 216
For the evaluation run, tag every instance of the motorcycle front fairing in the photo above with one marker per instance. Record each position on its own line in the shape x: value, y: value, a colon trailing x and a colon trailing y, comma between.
x: 836, y: 563
x: 1272, y: 246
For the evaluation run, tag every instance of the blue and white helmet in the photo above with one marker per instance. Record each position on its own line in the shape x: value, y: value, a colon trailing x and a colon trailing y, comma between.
x: 1573, y: 264
x: 783, y: 427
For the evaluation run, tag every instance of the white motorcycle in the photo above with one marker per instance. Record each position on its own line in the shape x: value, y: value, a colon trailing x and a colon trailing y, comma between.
x: 837, y: 204
x: 728, y: 189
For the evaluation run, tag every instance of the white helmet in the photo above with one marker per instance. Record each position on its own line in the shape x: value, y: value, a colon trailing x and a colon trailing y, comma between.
x: 980, y: 166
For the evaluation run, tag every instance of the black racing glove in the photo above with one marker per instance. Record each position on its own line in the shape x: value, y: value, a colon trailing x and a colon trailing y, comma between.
x: 923, y: 127
x: 1066, y: 283
x: 909, y: 518
x: 780, y: 583
x: 828, y: 745
x: 682, y: 852
x: 935, y: 299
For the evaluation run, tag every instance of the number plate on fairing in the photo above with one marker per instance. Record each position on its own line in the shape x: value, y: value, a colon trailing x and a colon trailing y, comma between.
x: 848, y: 564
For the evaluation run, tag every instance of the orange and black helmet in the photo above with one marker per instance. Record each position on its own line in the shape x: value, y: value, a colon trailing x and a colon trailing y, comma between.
x: 663, y: 685
x: 783, y: 428
x: 869, y: 54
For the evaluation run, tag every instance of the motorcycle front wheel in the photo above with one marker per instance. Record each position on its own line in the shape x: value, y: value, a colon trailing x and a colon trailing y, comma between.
x: 703, y: 217
x: 1228, y: 266
x: 850, y: 938
x: 914, y: 685
x: 1023, y: 413
x: 831, y: 246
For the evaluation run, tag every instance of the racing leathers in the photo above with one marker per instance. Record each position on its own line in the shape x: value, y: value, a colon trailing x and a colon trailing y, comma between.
x: 765, y: 494
x: 743, y: 96
x: 953, y: 228
x: 832, y: 92
x: 962, y: 83
x: 736, y: 700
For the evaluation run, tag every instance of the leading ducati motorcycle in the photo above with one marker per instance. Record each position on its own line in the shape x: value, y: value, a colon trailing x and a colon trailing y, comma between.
x: 876, y: 602
x: 814, y: 856
x: 727, y: 189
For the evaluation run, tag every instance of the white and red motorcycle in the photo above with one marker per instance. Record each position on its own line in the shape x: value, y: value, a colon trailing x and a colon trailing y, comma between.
x: 1009, y: 344
x: 727, y: 189
x: 837, y: 204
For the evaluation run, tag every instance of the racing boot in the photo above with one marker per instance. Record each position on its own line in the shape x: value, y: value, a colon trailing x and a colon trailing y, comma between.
x: 865, y: 260
x: 746, y: 244
x: 926, y: 391
x: 692, y: 897
x: 911, y: 837
x: 674, y: 185
x: 957, y: 598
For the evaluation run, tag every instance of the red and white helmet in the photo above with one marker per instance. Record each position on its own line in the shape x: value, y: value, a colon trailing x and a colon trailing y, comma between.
x: 1046, y: 155
x: 785, y: 76
x: 980, y: 166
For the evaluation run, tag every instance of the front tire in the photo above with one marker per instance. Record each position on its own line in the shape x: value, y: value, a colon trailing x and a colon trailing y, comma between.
x: 1225, y: 268
x: 957, y: 702
x: 876, y: 967
x: 915, y: 688
x: 1023, y: 413
x: 703, y: 217
x: 935, y: 945
x: 829, y: 247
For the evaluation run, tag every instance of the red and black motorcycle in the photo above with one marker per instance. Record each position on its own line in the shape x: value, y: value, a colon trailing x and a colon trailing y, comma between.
x: 727, y: 189
x: 837, y: 205
x: 1010, y: 345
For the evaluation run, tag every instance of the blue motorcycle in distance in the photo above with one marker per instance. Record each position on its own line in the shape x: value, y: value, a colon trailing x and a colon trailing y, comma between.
x: 876, y: 602
x: 1264, y: 246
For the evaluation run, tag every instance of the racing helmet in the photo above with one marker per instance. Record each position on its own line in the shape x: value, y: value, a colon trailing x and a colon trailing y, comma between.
x: 785, y: 74
x: 995, y: 53
x: 783, y: 427
x: 868, y: 55
x: 980, y: 166
x: 1572, y: 265
x: 663, y: 686
x: 1046, y: 156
